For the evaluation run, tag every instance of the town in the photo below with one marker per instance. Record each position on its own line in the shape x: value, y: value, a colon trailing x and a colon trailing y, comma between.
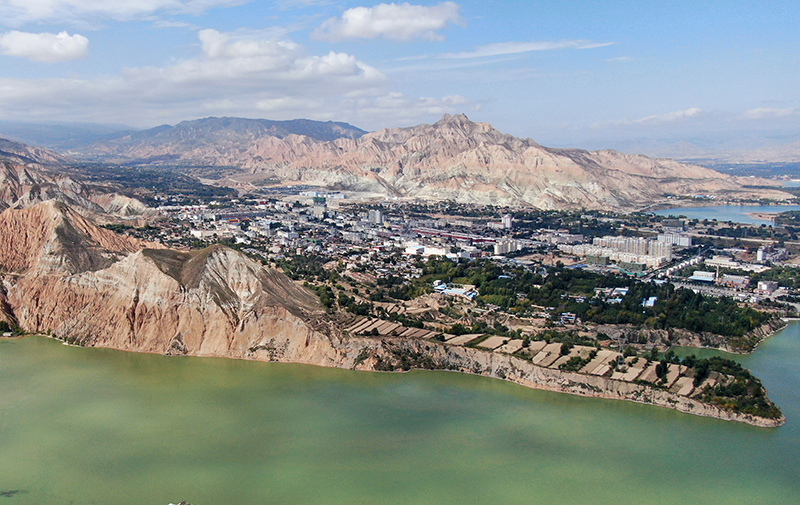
x: 372, y: 251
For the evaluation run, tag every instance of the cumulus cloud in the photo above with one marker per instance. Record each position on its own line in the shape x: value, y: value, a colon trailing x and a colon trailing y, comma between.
x: 234, y: 74
x: 236, y: 62
x: 47, y: 47
x: 770, y: 113
x: 391, y: 21
x: 14, y: 12
x: 506, y: 48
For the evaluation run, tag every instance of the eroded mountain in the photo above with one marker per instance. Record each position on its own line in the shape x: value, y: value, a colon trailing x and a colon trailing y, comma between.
x: 210, y: 141
x: 454, y: 158
x: 30, y: 175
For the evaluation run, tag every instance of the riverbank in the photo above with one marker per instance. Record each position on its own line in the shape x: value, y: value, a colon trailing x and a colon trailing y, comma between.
x: 744, y: 213
x: 748, y: 343
x: 695, y: 204
x: 763, y: 216
x: 393, y: 354
x: 513, y: 369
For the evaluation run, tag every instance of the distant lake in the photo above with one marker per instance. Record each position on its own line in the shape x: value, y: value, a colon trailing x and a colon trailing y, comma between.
x: 98, y: 426
x: 735, y: 213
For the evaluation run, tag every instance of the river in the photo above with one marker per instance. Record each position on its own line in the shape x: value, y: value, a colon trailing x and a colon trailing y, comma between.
x: 734, y: 213
x: 97, y: 426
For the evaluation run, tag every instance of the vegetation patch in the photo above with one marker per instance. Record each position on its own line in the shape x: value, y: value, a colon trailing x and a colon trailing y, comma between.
x: 743, y: 394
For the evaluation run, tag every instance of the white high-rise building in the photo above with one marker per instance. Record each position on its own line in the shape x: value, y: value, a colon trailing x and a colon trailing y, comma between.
x: 506, y: 246
x: 375, y: 216
x: 660, y: 249
x: 675, y: 239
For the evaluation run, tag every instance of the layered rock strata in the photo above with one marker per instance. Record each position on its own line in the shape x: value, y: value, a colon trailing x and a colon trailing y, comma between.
x: 84, y: 284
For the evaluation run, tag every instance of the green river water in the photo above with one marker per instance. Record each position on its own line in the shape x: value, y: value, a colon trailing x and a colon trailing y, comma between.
x: 96, y: 426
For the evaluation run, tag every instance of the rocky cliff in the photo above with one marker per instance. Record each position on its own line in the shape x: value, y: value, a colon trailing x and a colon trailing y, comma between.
x: 64, y: 276
x: 52, y: 238
x: 214, y: 302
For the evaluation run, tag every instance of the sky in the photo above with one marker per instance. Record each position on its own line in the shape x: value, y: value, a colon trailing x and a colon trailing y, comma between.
x: 561, y: 72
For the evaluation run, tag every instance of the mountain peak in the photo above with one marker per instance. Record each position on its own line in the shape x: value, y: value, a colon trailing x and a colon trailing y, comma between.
x: 17, y: 152
x: 53, y: 236
x: 459, y: 119
x: 232, y: 279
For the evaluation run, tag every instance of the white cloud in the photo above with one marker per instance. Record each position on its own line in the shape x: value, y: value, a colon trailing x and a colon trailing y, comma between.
x: 222, y: 46
x: 506, y: 48
x: 288, y: 103
x: 399, y: 108
x: 621, y: 59
x: 47, y: 47
x: 165, y: 24
x: 235, y: 62
x: 391, y: 21
x: 233, y: 74
x: 14, y: 12
x: 770, y: 113
x: 669, y: 117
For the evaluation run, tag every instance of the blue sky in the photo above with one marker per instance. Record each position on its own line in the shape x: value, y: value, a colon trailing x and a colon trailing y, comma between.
x: 561, y: 72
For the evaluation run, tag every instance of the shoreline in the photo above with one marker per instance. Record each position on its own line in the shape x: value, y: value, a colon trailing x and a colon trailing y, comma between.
x: 763, y: 216
x: 471, y: 361
x: 700, y: 204
x: 710, y: 412
x: 771, y: 330
x: 535, y: 377
x: 767, y: 330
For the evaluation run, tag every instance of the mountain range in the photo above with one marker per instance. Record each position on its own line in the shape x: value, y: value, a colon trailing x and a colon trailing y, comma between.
x: 31, y: 175
x: 60, y: 136
x: 454, y: 158
x: 204, y: 141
